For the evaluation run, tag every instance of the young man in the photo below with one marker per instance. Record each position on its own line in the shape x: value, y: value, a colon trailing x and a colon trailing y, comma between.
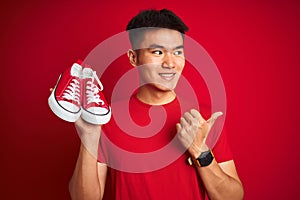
x: 158, y: 54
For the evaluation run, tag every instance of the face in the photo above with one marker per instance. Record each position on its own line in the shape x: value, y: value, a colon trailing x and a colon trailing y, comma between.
x: 160, y: 58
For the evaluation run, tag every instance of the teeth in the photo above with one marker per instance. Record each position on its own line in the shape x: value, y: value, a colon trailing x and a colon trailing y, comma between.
x: 167, y: 75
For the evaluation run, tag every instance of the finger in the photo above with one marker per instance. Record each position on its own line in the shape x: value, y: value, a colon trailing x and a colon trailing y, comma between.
x: 196, y: 114
x: 214, y: 117
x: 184, y: 123
x: 178, y: 127
x: 188, y: 117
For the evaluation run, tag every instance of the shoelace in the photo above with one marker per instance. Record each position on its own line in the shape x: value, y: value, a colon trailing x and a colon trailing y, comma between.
x: 73, y: 91
x: 92, y: 90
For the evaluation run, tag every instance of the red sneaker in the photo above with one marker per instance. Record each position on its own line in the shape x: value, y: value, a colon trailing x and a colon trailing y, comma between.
x: 65, y: 99
x: 95, y: 108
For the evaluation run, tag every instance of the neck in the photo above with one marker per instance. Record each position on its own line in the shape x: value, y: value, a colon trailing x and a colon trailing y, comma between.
x: 153, y: 96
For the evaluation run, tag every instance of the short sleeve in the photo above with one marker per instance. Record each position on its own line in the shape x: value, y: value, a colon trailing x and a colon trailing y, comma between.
x: 221, y: 150
x: 101, y: 151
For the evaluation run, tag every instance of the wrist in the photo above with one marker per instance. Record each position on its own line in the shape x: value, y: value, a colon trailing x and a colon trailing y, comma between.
x: 196, y: 151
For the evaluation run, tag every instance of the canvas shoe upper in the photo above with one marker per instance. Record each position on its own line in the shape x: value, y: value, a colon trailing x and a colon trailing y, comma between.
x: 65, y: 99
x: 95, y: 109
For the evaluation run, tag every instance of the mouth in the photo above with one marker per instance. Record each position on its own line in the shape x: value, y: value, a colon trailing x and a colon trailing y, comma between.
x: 167, y: 76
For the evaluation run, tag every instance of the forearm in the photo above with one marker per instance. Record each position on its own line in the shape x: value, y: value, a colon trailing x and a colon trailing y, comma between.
x: 218, y: 184
x: 84, y: 183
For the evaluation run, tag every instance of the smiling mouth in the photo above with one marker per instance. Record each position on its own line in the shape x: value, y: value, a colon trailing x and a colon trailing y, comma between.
x: 167, y: 76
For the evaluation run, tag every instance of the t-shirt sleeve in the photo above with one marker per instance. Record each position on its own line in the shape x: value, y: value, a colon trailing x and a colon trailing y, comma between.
x: 101, y: 151
x: 221, y: 150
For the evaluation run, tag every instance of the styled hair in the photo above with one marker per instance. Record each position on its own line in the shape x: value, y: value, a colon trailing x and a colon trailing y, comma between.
x: 154, y: 19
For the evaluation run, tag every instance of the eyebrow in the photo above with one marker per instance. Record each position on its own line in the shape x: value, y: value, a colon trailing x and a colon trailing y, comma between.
x: 154, y: 46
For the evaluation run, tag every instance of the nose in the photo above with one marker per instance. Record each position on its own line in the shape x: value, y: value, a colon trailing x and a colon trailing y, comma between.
x: 168, y: 61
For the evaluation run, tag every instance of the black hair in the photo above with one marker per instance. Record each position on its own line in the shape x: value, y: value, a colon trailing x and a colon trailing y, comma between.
x: 154, y: 19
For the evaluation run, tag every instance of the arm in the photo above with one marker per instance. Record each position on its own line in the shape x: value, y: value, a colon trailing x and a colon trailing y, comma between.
x: 88, y: 180
x: 221, y: 181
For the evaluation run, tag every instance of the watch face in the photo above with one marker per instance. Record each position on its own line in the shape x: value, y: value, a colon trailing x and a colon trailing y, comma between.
x: 204, y: 154
x: 205, y: 158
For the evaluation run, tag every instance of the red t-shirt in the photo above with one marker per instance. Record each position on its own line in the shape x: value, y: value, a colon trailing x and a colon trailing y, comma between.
x: 144, y: 157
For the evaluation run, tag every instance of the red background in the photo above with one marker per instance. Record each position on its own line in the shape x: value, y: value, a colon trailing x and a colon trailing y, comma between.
x: 254, y: 44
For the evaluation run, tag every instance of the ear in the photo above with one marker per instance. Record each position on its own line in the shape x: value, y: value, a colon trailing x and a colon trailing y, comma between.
x: 132, y: 56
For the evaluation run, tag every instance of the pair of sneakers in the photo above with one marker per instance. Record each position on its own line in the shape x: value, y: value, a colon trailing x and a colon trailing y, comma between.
x: 78, y: 94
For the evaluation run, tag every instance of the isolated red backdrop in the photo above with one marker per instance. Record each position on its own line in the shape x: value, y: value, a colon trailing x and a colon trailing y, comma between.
x: 254, y: 44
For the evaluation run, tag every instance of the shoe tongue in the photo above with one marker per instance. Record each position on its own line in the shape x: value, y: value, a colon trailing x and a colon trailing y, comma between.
x: 76, y: 70
x: 87, y: 72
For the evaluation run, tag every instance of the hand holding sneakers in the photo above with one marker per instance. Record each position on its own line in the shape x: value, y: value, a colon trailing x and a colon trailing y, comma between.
x: 78, y: 93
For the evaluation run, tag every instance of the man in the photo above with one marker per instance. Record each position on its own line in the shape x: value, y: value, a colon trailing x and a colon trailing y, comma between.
x: 158, y: 54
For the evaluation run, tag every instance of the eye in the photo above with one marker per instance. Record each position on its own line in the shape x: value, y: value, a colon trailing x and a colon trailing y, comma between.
x: 179, y: 52
x: 157, y: 52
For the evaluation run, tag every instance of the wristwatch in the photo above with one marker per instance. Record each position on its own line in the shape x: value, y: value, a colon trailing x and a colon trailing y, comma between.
x: 204, y: 159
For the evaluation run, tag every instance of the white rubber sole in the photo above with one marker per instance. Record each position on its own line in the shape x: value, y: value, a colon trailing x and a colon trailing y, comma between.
x: 95, y: 119
x: 60, y: 111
